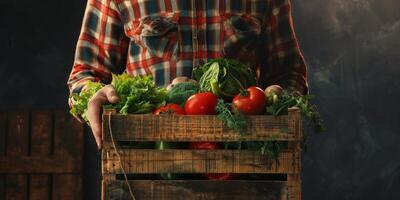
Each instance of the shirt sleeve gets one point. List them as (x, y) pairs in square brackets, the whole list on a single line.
[(101, 48), (284, 64)]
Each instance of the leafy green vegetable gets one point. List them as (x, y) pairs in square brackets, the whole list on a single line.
[(137, 94), (235, 121), (80, 101), (224, 77), (280, 107), (181, 92), (309, 111)]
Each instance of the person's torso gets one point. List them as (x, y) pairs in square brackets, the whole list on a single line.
[(169, 37)]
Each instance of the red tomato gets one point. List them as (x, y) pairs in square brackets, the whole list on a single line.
[(170, 108), (219, 176), (211, 145), (203, 145), (252, 104), (201, 104)]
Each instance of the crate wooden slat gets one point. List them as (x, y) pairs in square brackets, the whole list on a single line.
[(40, 155), (197, 128), (141, 161), (174, 128), (198, 189)]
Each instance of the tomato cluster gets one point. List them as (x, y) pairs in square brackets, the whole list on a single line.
[(249, 102)]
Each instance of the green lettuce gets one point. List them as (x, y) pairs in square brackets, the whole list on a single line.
[(224, 77), (138, 95), (80, 100)]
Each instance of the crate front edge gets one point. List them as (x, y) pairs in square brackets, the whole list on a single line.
[(184, 128)]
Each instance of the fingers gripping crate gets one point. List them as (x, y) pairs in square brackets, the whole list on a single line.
[(174, 128)]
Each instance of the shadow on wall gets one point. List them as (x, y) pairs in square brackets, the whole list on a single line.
[(353, 52)]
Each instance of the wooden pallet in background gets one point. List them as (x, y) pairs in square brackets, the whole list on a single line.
[(128, 128), (40, 156)]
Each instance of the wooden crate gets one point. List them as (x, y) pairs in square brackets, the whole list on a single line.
[(199, 128), (40, 156)]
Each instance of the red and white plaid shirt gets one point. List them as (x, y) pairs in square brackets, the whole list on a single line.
[(167, 38)]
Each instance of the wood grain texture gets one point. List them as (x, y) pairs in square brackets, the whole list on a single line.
[(41, 144), (294, 180), (38, 164), (27, 157), (197, 161), (67, 187), (197, 128), (17, 140), (68, 142), (17, 145), (197, 190), (16, 187), (68, 135), (39, 186)]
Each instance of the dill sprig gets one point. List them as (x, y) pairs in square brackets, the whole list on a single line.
[(235, 121)]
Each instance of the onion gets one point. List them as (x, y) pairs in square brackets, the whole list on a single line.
[(272, 93)]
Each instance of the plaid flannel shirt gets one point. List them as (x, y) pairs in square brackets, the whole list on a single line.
[(167, 38)]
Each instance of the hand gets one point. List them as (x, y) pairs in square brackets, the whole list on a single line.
[(179, 79), (104, 96)]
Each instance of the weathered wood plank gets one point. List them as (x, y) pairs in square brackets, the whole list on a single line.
[(16, 187), (18, 134), (67, 187), (39, 187), (41, 133), (294, 187), (68, 135), (38, 164), (197, 189), (196, 128), (68, 141), (197, 161), (17, 145), (41, 141), (294, 180)]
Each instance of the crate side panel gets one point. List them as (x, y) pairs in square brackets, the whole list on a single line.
[(192, 128)]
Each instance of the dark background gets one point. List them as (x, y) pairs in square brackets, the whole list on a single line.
[(353, 52)]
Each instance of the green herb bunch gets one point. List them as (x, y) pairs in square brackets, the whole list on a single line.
[(308, 110)]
